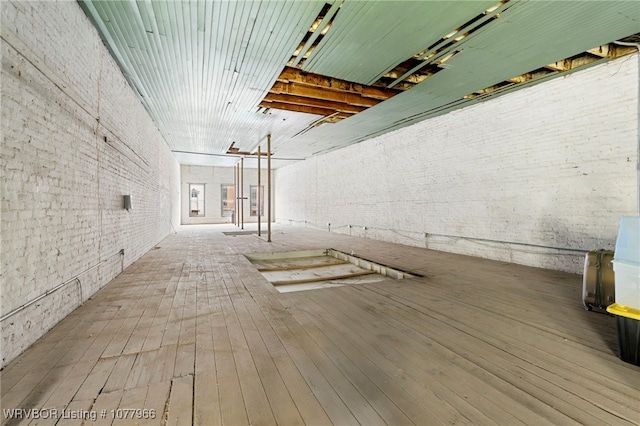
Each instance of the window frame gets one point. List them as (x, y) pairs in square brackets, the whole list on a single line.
[(200, 199)]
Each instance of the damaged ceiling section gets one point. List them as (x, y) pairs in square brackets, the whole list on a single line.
[(334, 99), (319, 75), (299, 90), (609, 51)]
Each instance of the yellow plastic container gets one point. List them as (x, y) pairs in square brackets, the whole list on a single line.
[(628, 324), (623, 311)]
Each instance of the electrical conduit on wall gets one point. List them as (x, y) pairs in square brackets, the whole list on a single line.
[(59, 286)]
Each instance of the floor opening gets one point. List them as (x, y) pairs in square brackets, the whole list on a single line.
[(321, 268), (236, 233)]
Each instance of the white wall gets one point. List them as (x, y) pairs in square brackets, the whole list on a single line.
[(213, 178), (549, 167), (62, 182)]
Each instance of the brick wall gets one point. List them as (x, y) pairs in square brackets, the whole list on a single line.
[(535, 177), (75, 140), (213, 178)]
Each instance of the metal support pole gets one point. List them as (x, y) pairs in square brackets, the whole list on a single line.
[(242, 193), (269, 188), (259, 204), (238, 195), (236, 212)]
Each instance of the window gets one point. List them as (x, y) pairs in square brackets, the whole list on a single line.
[(254, 201), (196, 199), (228, 200)]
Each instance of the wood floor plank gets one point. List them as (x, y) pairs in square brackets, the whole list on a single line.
[(120, 331), (155, 403), (231, 402), (206, 409), (416, 400), (449, 364), (103, 406), (132, 404), (286, 412), (253, 392), (550, 350), (416, 374), (365, 382), (496, 361), (120, 372), (194, 332), (495, 357), (144, 369), (179, 409), (96, 379), (336, 409), (306, 403)]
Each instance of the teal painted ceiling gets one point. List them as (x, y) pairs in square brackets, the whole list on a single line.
[(201, 68)]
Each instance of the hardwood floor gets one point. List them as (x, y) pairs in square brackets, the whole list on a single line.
[(193, 334)]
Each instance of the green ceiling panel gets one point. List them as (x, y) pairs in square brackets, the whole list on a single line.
[(528, 36), (368, 38), (202, 67)]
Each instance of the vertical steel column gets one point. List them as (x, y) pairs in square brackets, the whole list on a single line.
[(235, 194), (258, 195), (269, 188), (242, 192), (236, 206)]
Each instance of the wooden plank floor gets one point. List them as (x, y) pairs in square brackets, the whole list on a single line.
[(193, 334)]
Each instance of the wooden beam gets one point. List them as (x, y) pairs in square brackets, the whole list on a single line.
[(530, 76), (612, 51), (294, 75), (559, 66), (318, 279), (303, 108), (321, 93), (299, 91), (307, 266), (313, 102)]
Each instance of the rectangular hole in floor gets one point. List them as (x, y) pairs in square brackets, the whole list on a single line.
[(235, 233), (322, 268)]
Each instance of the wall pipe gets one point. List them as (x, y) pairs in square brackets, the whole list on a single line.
[(425, 235), (58, 287)]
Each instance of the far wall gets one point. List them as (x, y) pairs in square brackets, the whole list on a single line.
[(535, 177), (213, 178)]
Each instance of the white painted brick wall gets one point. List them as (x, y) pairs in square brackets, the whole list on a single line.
[(62, 183), (213, 178), (553, 165)]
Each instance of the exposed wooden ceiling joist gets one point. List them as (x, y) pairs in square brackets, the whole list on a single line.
[(294, 75), (322, 93), (589, 57), (202, 67), (313, 102), (300, 91), (303, 108)]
